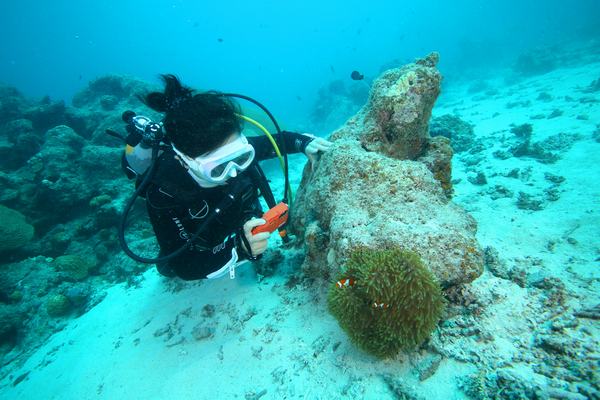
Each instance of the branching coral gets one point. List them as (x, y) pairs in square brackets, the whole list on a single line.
[(390, 302)]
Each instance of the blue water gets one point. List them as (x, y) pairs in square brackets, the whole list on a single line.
[(539, 216), (277, 52)]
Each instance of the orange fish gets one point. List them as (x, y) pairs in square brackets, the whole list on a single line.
[(346, 282), (380, 305)]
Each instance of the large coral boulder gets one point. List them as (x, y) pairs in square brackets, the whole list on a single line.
[(15, 232), (73, 267), (385, 184)]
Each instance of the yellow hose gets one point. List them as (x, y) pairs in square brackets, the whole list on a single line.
[(275, 147)]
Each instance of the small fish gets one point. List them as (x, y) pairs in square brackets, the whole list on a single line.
[(357, 76), (332, 69), (380, 305), (346, 282), (220, 40)]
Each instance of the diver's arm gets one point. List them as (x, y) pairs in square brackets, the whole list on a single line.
[(294, 143)]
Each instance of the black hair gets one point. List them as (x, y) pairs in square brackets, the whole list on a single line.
[(195, 123)]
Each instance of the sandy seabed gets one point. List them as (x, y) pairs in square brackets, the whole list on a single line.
[(252, 338)]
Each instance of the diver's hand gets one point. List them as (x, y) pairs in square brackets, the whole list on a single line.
[(313, 148), (258, 243)]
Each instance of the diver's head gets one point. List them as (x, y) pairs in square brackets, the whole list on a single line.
[(217, 166), (204, 130), (195, 123)]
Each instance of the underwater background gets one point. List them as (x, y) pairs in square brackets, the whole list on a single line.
[(261, 48), (501, 208)]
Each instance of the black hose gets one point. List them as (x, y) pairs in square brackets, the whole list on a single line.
[(227, 201), (283, 145)]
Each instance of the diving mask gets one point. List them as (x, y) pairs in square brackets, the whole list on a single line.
[(215, 167)]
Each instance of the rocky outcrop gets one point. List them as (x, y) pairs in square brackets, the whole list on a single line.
[(386, 184)]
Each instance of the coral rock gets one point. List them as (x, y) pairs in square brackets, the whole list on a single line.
[(15, 232), (397, 115), (357, 197), (58, 305), (73, 267), (458, 131)]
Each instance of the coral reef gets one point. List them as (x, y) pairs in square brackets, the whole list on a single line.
[(596, 134), (12, 104), (400, 389), (11, 318), (555, 113), (58, 305), (499, 192), (593, 87), (438, 159), (478, 179), (501, 384), (73, 267), (454, 128), (544, 96), (61, 179), (393, 304), (541, 60), (360, 197), (528, 202), (546, 151), (15, 232), (18, 144), (535, 62), (523, 131)]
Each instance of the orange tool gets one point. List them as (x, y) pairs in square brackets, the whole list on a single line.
[(275, 217)]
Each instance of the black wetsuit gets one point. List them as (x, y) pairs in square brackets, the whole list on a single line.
[(177, 205)]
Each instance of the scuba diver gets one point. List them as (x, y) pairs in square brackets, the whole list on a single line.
[(201, 180)]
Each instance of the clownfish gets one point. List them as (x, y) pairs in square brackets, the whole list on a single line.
[(380, 305), (346, 282)]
